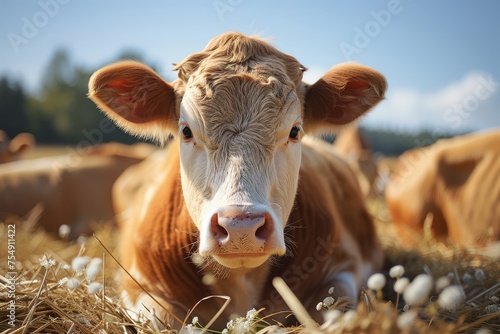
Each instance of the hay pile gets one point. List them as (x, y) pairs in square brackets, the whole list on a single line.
[(45, 302)]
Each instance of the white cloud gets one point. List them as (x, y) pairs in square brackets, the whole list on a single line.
[(470, 104)]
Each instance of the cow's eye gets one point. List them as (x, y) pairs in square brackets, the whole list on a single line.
[(186, 132), (294, 133)]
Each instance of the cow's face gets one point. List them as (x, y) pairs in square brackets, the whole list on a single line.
[(239, 108), (240, 160)]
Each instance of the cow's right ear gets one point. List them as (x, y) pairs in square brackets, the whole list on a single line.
[(135, 98)]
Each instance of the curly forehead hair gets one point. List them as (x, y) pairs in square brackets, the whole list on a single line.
[(234, 54)]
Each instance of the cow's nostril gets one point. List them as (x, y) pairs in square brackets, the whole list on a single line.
[(264, 230), (218, 231), (261, 232)]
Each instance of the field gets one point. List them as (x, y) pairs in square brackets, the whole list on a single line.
[(41, 292)]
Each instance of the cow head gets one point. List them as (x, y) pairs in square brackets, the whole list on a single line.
[(240, 109)]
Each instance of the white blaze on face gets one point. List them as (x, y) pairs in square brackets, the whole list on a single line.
[(239, 170)]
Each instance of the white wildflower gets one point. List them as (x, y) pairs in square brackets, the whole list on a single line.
[(466, 278), (92, 273), (252, 314), (401, 284), (376, 282), (94, 287), (79, 262), (230, 324), (331, 318), (96, 262), (225, 331), (46, 262), (64, 231), (189, 329), (240, 325), (442, 283), (93, 268), (479, 274), (72, 283), (406, 320), (62, 281), (451, 297), (195, 321), (82, 240), (319, 306), (492, 308), (332, 315), (418, 291), (328, 302), (494, 299), (397, 271), (331, 290)]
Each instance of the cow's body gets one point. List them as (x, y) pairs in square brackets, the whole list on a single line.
[(457, 181), (328, 201), (70, 189), (240, 198), (354, 147)]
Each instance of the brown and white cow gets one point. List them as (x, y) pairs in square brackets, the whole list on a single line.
[(242, 196), (457, 181), (13, 149), (72, 189), (355, 148)]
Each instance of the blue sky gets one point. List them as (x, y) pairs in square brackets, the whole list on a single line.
[(441, 58)]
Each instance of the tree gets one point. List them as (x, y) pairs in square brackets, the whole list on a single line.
[(62, 111), (13, 107)]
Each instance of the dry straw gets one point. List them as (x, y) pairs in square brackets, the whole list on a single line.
[(45, 303)]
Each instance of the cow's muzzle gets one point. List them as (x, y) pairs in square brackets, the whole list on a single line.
[(241, 236)]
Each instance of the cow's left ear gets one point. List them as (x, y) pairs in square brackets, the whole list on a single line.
[(343, 94), (136, 98)]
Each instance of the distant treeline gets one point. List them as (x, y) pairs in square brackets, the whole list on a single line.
[(391, 143), (61, 113)]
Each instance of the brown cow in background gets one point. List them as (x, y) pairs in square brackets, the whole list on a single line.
[(455, 180), (355, 148), (71, 189), (13, 149)]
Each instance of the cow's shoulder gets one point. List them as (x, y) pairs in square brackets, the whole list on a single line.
[(158, 241), (322, 164), (329, 201)]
